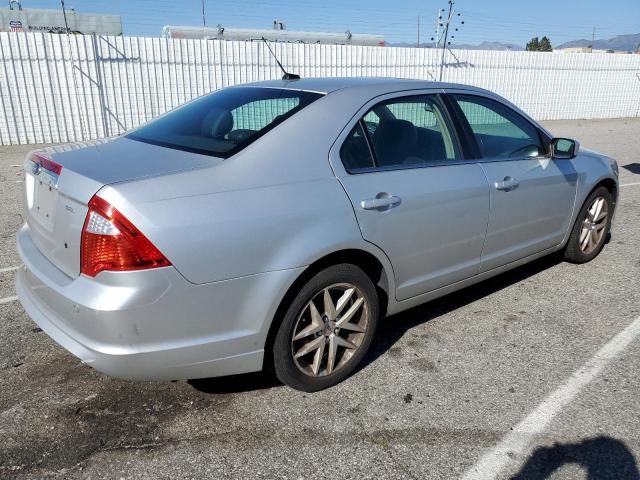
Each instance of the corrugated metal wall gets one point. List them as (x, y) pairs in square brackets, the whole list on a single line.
[(58, 88)]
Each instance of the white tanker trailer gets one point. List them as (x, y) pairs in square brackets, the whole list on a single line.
[(274, 35), (18, 19)]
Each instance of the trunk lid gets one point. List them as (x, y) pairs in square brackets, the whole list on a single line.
[(55, 199)]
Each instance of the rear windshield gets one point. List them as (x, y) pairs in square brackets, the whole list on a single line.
[(223, 123)]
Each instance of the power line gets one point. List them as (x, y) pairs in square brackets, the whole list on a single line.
[(446, 34), (395, 23)]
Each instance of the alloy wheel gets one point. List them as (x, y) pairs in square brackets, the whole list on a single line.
[(593, 226), (330, 329)]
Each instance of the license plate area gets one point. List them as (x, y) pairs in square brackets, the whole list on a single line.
[(45, 199)]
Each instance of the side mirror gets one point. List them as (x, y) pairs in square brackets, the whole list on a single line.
[(564, 148)]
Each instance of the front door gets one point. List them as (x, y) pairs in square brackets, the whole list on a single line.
[(411, 194), (532, 195)]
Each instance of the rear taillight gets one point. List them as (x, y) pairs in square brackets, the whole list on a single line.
[(111, 242), (42, 161)]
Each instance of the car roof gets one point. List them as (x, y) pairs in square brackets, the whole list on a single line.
[(331, 84), (366, 88)]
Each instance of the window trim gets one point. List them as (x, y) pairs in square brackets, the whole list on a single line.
[(467, 139), (470, 138), (362, 126), (367, 137), (375, 102)]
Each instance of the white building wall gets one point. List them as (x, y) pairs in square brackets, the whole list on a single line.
[(55, 88)]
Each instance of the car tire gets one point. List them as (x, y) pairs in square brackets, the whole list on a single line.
[(336, 310), (583, 246)]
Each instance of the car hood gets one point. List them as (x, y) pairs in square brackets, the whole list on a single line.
[(591, 153)]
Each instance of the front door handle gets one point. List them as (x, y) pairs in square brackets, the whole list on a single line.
[(382, 201), (509, 183)]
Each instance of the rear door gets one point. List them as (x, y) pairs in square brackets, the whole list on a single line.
[(532, 195), (413, 194)]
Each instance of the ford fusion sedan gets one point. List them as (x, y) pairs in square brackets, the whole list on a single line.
[(276, 223)]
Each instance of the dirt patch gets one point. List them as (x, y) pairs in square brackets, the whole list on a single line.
[(423, 365), (119, 415)]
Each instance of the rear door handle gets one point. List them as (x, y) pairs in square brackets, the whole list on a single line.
[(507, 184), (382, 201)]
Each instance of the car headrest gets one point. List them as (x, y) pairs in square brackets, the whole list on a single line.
[(394, 141), (217, 123), (401, 129)]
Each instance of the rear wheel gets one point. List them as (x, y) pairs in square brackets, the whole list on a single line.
[(327, 329), (591, 228)]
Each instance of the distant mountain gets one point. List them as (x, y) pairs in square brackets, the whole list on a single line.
[(481, 46), (625, 43), (490, 46), (406, 44)]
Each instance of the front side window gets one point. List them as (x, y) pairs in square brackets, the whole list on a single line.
[(499, 131), (400, 132), (223, 123)]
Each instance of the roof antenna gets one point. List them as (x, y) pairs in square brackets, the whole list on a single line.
[(287, 75)]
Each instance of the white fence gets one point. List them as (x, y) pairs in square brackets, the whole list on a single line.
[(58, 88)]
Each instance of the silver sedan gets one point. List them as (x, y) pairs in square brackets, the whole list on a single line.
[(276, 223)]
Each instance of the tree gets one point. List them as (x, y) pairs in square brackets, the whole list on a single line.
[(539, 45), (533, 45), (545, 45)]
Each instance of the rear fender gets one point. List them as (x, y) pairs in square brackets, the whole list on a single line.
[(232, 234)]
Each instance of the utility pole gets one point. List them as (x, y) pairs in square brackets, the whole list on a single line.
[(446, 34), (418, 42), (64, 14), (436, 39), (204, 21), (593, 37)]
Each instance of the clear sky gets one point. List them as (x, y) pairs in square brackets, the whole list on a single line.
[(513, 21)]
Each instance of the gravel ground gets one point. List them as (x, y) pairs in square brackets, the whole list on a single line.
[(444, 383)]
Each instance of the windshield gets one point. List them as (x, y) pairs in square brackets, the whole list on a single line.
[(223, 123)]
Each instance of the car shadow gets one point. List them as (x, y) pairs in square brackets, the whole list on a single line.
[(600, 457), (394, 327), (633, 168), (235, 383)]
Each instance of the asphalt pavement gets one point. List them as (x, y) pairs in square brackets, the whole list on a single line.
[(532, 374)]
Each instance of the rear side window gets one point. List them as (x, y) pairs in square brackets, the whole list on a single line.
[(371, 121), (223, 123), (499, 131), (404, 131), (355, 152)]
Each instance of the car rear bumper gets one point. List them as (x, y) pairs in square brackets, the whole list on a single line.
[(152, 324)]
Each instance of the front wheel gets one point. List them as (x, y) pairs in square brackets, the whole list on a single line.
[(591, 228), (327, 329)]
